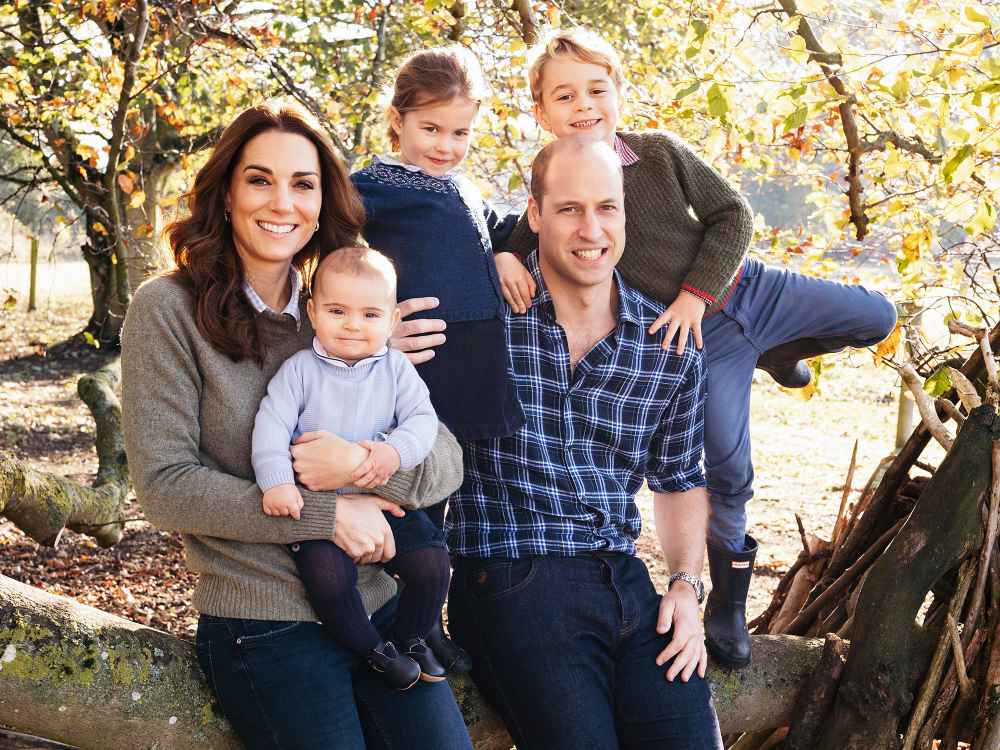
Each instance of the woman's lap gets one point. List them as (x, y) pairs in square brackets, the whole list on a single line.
[(288, 685)]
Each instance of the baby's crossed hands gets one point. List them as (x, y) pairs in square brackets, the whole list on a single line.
[(378, 468), (283, 500)]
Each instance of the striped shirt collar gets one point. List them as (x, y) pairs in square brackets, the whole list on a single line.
[(292, 308), (392, 162), (625, 153), (320, 352)]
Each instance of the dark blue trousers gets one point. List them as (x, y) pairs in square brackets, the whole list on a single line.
[(770, 306), (290, 686), (565, 648)]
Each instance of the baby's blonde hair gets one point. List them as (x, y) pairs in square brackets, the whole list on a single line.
[(357, 261), (580, 44)]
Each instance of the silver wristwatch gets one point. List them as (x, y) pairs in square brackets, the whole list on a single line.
[(696, 584)]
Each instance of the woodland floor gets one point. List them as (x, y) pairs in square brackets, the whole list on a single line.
[(802, 449)]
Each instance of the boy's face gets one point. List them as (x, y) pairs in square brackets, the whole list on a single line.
[(577, 97), (352, 315)]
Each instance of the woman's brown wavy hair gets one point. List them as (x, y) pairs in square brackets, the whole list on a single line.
[(202, 243)]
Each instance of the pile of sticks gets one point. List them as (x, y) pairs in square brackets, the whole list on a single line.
[(957, 698)]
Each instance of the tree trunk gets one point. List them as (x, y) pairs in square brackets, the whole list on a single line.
[(106, 320), (144, 227), (884, 665), (43, 504), (75, 674)]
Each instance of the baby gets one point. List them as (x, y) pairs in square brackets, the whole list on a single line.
[(351, 384)]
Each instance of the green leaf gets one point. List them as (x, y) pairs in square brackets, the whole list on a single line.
[(938, 383), (796, 119), (956, 161), (700, 28), (690, 89), (718, 105), (514, 181), (89, 338), (11, 302)]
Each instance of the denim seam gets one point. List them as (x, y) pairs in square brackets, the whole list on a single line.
[(256, 699), (515, 588), (270, 634), (374, 721)]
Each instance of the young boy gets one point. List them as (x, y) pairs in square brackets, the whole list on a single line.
[(686, 241), (350, 383)]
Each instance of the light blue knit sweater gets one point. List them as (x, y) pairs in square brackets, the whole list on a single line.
[(313, 391)]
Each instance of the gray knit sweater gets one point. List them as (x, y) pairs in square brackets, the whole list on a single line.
[(188, 413), (685, 227)]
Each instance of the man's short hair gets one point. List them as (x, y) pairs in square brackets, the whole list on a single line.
[(357, 261), (582, 45), (572, 144)]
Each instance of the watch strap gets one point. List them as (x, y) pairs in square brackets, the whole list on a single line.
[(693, 581)]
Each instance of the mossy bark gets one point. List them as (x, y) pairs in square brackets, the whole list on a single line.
[(892, 651), (72, 673), (43, 504)]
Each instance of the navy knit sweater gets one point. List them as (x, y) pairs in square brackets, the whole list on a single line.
[(440, 235)]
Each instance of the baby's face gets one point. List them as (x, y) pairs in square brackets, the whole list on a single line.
[(352, 315)]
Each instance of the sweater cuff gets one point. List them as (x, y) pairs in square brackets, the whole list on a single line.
[(701, 294), (273, 478), (408, 457), (318, 517)]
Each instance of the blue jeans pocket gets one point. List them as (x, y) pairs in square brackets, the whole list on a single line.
[(496, 580), (264, 633)]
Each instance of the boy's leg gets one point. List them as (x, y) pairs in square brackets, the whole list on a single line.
[(652, 712), (541, 633), (330, 579)]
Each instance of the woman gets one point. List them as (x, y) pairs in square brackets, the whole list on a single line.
[(199, 347)]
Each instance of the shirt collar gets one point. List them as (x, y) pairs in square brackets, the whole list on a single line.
[(624, 151), (393, 162), (320, 352), (629, 304), (292, 308)]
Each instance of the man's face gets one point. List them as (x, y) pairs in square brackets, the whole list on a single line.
[(577, 97), (581, 222)]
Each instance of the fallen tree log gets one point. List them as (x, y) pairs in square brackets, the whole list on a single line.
[(43, 504), (72, 673)]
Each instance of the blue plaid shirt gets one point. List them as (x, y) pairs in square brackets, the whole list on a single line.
[(565, 483)]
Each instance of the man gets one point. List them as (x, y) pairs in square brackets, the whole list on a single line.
[(569, 639)]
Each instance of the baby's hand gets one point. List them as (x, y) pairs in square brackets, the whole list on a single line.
[(378, 468), (516, 283), (283, 500)]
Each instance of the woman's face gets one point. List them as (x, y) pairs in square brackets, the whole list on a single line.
[(274, 198)]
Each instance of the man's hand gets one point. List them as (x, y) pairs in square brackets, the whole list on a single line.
[(417, 337), (361, 529), (324, 461), (283, 500), (679, 614), (683, 316), (378, 468), (516, 283)]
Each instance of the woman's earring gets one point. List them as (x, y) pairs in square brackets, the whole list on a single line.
[(316, 228), (226, 212)]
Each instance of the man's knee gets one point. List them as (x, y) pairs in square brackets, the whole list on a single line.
[(882, 319)]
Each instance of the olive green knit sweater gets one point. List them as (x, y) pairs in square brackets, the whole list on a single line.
[(685, 227), (188, 413)]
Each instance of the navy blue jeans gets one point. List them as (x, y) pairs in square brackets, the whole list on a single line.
[(289, 685), (565, 648), (770, 306)]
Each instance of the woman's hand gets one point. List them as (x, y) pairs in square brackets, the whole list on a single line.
[(324, 461), (417, 337), (516, 283), (361, 529), (684, 315)]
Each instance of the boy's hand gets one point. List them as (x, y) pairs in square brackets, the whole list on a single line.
[(516, 283), (283, 500), (378, 468), (683, 316)]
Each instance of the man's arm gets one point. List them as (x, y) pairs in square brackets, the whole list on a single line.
[(681, 526)]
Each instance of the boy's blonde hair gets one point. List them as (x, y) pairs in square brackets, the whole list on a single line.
[(582, 45), (357, 261), (436, 76)]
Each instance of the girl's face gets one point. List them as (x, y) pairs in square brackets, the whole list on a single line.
[(274, 199), (435, 138)]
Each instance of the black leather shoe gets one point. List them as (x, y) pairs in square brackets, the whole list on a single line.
[(430, 668), (399, 671), (454, 658), (784, 363), (726, 634)]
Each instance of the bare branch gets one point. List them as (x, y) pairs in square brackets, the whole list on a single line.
[(926, 407)]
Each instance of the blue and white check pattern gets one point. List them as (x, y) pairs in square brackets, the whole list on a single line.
[(565, 483)]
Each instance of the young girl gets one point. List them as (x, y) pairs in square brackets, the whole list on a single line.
[(432, 222)]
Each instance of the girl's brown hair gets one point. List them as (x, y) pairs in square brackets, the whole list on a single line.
[(202, 243), (436, 76)]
